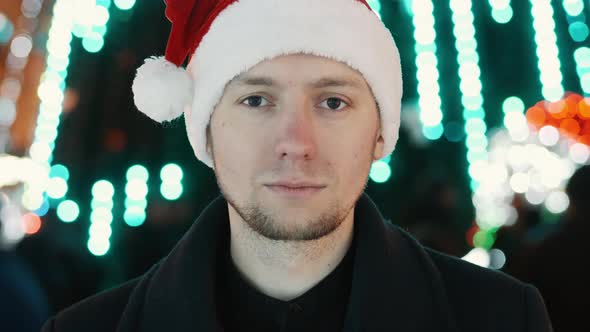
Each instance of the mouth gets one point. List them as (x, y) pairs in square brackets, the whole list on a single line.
[(295, 191)]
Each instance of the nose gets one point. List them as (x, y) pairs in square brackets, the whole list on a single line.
[(295, 134)]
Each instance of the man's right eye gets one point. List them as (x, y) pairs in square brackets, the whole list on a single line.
[(255, 101)]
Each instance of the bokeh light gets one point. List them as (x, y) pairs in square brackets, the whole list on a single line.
[(68, 211), (478, 256), (98, 245), (103, 190), (124, 4), (380, 172), (497, 259), (171, 190), (57, 188), (137, 172), (134, 216), (557, 202), (171, 173), (501, 10), (32, 223), (171, 176)]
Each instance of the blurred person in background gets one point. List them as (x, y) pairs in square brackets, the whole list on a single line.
[(526, 230), (432, 216), (290, 102), (559, 264), (23, 304)]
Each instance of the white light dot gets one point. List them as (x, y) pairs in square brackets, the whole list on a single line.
[(535, 197), (57, 188), (32, 200), (519, 133), (579, 153), (548, 135), (497, 259), (478, 256), (40, 151), (519, 182), (136, 189), (100, 16), (21, 46), (557, 202), (98, 246), (100, 230)]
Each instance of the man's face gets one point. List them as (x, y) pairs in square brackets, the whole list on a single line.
[(296, 119)]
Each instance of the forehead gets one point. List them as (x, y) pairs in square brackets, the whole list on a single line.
[(300, 69)]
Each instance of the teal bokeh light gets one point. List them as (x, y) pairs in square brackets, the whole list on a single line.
[(503, 15), (433, 133), (59, 171), (171, 191), (578, 31), (124, 4), (93, 42), (134, 216), (380, 172), (171, 173), (137, 172), (98, 246), (513, 104), (68, 211)]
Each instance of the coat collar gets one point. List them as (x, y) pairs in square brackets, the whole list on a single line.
[(395, 284)]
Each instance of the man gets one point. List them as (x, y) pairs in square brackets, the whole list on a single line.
[(557, 265), (290, 101)]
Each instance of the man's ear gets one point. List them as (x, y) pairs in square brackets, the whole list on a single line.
[(379, 144)]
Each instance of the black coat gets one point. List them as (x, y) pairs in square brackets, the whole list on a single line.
[(398, 285)]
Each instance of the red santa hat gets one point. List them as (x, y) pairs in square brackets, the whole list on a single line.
[(225, 38)]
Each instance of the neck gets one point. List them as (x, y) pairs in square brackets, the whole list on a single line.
[(286, 269)]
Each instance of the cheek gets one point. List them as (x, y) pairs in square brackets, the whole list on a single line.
[(234, 153)]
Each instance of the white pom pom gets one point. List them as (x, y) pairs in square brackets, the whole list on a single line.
[(161, 90)]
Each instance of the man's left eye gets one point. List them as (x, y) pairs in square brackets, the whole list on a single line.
[(333, 103)]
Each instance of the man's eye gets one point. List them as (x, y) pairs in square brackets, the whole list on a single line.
[(255, 101), (333, 103)]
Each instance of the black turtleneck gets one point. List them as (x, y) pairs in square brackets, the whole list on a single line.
[(241, 307)]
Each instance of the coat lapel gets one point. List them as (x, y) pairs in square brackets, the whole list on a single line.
[(180, 295), (395, 284)]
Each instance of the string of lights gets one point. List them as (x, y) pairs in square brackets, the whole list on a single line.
[(470, 87), (546, 50), (427, 72)]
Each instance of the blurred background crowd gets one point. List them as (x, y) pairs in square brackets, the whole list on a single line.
[(491, 167)]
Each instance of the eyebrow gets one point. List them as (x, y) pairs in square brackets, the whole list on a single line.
[(321, 83)]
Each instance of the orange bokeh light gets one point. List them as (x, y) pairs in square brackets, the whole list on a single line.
[(571, 115), (32, 223), (584, 139), (570, 127), (584, 108), (558, 109), (536, 116)]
